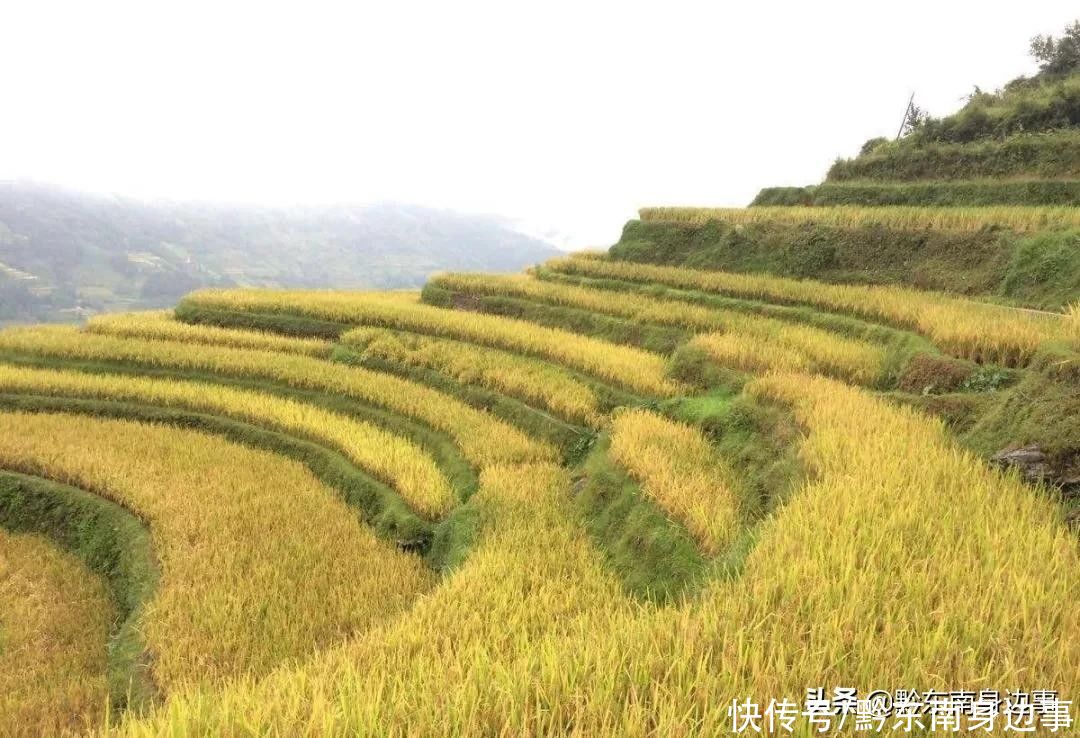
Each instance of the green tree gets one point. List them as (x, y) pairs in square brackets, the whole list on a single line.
[(1058, 55)]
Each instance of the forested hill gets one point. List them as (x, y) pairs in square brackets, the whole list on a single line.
[(66, 254)]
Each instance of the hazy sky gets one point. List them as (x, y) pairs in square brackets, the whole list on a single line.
[(569, 115)]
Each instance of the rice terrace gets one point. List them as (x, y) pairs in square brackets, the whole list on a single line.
[(809, 466)]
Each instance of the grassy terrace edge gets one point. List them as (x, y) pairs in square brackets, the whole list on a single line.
[(934, 193), (113, 543)]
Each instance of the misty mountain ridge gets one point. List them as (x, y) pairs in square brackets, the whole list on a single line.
[(66, 254)]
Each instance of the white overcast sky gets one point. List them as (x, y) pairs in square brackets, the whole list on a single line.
[(567, 115)]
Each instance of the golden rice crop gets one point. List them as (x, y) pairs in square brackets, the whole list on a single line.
[(751, 355), (632, 368), (260, 563), (966, 328), (678, 468), (533, 381), (54, 622), (1020, 218), (792, 349), (395, 460), (162, 325), (533, 573), (903, 561), (482, 438), (820, 349)]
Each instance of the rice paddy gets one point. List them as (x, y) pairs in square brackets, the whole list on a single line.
[(834, 534), (54, 620), (260, 562), (956, 325), (1021, 218)]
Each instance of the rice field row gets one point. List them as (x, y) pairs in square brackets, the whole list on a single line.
[(54, 622), (856, 361), (260, 564), (819, 350), (903, 561), (163, 326), (482, 438), (628, 367), (957, 326), (679, 469), (532, 381), (1020, 218), (393, 459)]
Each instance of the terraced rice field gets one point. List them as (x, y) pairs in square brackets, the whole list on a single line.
[(379, 516), (54, 620), (956, 325), (1016, 217)]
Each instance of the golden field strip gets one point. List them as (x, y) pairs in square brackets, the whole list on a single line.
[(530, 380), (955, 325), (629, 367), (903, 561), (395, 460), (679, 469), (482, 438), (161, 325), (260, 563), (821, 350), (54, 622), (1021, 218), (757, 355)]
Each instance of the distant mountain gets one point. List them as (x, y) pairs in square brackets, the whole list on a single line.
[(66, 254)]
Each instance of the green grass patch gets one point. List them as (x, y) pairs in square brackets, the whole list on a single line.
[(654, 557), (1044, 270), (1054, 154), (932, 193), (758, 439), (1036, 407)]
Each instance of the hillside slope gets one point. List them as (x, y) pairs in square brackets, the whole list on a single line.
[(65, 254)]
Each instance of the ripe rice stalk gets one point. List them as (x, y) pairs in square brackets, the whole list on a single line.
[(482, 438), (260, 563), (821, 350), (54, 623), (902, 560), (395, 460), (956, 325), (678, 468), (162, 325), (628, 367), (532, 381)]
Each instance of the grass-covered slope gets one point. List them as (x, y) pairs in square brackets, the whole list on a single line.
[(1036, 269), (961, 193), (980, 202)]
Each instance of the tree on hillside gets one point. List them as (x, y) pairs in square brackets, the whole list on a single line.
[(1058, 55), (914, 119)]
